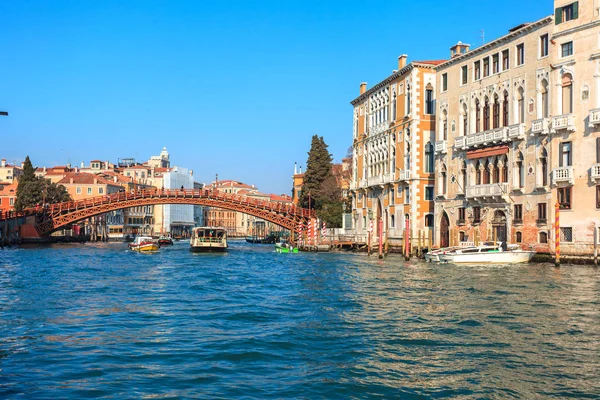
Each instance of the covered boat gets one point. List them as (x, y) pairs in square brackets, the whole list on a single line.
[(284, 247), (144, 244), (208, 239), (499, 253), (165, 241)]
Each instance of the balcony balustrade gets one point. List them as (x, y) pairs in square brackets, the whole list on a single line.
[(485, 138), (594, 117), (441, 146), (562, 174), (595, 172), (540, 126), (516, 131), (563, 122), (404, 175), (363, 183), (487, 190)]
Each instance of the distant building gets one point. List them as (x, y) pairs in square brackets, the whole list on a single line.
[(9, 173)]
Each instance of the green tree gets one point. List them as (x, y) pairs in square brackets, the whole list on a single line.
[(321, 185), (33, 190)]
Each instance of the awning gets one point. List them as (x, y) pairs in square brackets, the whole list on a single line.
[(487, 152)]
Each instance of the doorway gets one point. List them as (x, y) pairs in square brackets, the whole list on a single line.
[(444, 230)]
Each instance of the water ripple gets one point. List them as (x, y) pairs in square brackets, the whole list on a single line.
[(97, 321)]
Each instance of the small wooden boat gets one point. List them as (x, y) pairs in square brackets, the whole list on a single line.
[(488, 254), (144, 244), (208, 239), (165, 241)]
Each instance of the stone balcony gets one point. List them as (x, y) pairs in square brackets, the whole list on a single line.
[(563, 122), (562, 175), (491, 190), (594, 119), (403, 175), (540, 126), (516, 132), (485, 138), (595, 172), (441, 146)]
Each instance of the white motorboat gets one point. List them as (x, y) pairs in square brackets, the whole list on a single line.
[(488, 254), (208, 239), (433, 255)]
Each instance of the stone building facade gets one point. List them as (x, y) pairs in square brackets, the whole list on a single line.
[(516, 136)]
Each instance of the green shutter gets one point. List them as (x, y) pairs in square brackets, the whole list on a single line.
[(558, 15), (575, 10)]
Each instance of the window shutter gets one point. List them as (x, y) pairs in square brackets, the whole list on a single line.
[(560, 155), (575, 10), (558, 15), (598, 149)]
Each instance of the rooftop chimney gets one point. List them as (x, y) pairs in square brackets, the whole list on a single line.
[(402, 61), (3, 162), (115, 179), (295, 169), (71, 180), (458, 49), (363, 87)]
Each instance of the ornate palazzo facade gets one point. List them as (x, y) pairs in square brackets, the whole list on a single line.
[(393, 152), (517, 133)]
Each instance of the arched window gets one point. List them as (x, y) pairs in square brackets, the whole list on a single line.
[(429, 220), (394, 107), (429, 159), (408, 87), (486, 114), (486, 173), (520, 170), (543, 237), (520, 106), (444, 177), (567, 94), (477, 115), (465, 120), (392, 221), (544, 167), (407, 157), (478, 173), (463, 236), (496, 171), (463, 171), (496, 111), (505, 169), (444, 125), (545, 105), (429, 99), (505, 110)]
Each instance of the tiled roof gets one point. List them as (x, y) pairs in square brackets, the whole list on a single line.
[(431, 62), (84, 178)]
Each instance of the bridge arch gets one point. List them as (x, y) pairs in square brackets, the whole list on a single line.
[(58, 215)]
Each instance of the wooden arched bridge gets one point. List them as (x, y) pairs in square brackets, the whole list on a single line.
[(59, 215)]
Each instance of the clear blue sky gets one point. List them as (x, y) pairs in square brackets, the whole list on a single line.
[(236, 88)]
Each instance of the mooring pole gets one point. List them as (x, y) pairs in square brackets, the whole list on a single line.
[(557, 235), (380, 230), (407, 240)]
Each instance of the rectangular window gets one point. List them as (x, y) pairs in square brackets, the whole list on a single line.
[(444, 82), (505, 60), (518, 213), (566, 13), (78, 190), (461, 216), (100, 190), (543, 237), (544, 45), (564, 198), (520, 54), (429, 193), (566, 234), (486, 67), (392, 197), (464, 72), (476, 215), (566, 49), (477, 70), (89, 190), (11, 201), (407, 195), (564, 157), (542, 212), (496, 63), (597, 196)]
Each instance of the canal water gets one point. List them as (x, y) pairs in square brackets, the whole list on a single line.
[(98, 321)]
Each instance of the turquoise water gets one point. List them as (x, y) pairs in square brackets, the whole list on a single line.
[(97, 321)]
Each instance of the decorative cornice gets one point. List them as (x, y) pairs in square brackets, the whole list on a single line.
[(576, 29), (389, 79), (506, 38)]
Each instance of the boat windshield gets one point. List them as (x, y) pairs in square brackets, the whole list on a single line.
[(209, 233)]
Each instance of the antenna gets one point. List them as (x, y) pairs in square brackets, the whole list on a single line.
[(482, 37)]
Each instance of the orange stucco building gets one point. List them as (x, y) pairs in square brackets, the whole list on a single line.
[(393, 152)]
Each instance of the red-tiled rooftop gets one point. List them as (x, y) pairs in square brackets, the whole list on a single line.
[(85, 178), (431, 62)]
